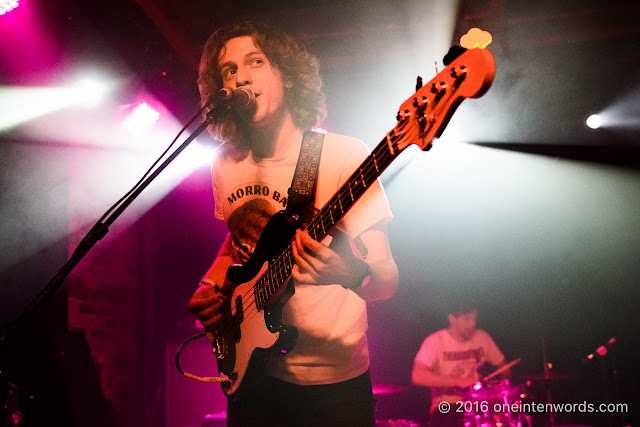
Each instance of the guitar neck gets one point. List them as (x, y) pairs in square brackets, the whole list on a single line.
[(361, 179)]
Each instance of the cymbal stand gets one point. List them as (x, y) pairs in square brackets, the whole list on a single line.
[(547, 387)]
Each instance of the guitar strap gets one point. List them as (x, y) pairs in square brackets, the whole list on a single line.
[(303, 185)]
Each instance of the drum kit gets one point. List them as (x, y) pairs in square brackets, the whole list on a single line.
[(495, 404), (489, 403), (501, 404)]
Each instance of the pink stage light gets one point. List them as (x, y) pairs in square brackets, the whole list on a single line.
[(141, 119), (8, 6)]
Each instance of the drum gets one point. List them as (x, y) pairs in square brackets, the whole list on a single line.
[(397, 423), (495, 404)]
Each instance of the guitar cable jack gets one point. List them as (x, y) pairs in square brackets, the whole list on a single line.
[(195, 377)]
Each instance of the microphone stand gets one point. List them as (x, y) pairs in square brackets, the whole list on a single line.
[(96, 233)]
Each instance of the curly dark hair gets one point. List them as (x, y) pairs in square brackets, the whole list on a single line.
[(305, 100)]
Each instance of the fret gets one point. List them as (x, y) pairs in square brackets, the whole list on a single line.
[(372, 167), (270, 283), (390, 144), (256, 293)]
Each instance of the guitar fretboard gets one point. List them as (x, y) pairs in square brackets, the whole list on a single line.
[(361, 179)]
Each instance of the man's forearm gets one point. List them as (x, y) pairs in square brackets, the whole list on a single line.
[(425, 377), (217, 273)]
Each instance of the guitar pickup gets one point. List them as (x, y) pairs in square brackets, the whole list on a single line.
[(237, 318)]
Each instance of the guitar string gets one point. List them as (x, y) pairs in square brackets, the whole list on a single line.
[(326, 212), (285, 257), (324, 216), (330, 204), (282, 266)]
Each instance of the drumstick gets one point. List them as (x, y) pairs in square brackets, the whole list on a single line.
[(500, 370)]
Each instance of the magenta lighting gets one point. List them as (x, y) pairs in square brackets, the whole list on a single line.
[(140, 119), (8, 6)]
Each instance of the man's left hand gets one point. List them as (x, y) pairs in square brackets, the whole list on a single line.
[(316, 264)]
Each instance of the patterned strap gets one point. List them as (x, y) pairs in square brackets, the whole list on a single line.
[(303, 185)]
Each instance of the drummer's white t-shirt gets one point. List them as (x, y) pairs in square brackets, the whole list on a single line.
[(447, 356)]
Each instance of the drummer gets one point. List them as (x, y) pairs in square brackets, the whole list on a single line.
[(448, 362)]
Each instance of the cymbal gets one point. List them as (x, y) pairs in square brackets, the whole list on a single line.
[(547, 376), (379, 389)]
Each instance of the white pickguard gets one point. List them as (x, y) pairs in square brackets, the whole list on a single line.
[(253, 330)]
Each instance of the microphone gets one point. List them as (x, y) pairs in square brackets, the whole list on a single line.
[(241, 98)]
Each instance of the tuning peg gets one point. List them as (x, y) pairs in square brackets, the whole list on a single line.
[(419, 102), (418, 83), (403, 115), (458, 73)]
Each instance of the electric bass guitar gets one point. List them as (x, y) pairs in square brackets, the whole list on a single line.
[(252, 327)]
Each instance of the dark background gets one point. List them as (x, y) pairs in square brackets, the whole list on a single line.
[(519, 204)]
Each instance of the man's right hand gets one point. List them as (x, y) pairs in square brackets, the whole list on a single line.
[(205, 306)]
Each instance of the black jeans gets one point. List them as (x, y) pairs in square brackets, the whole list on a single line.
[(279, 403)]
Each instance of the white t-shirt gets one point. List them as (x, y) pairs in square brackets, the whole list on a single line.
[(447, 356), (331, 320)]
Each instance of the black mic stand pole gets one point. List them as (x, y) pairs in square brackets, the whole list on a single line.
[(96, 233)]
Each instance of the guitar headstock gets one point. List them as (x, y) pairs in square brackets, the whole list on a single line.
[(426, 114)]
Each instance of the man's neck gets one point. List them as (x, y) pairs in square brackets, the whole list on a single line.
[(275, 140), (458, 337)]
